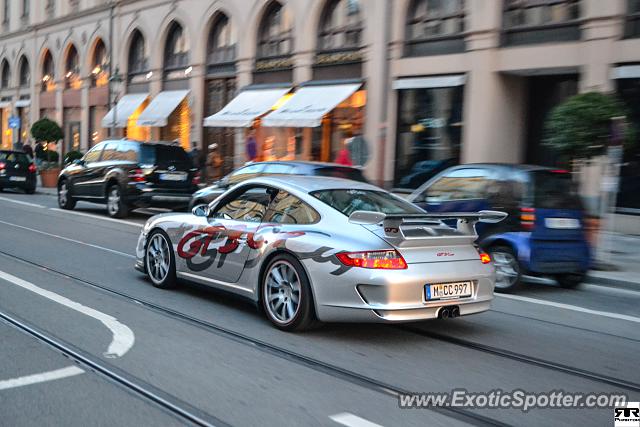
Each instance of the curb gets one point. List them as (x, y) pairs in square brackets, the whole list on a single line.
[(612, 283)]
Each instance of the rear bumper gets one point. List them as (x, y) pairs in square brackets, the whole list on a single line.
[(6, 182), (159, 197)]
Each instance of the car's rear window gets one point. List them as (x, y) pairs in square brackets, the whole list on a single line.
[(340, 172), (348, 201), (554, 190), (164, 156), (13, 157)]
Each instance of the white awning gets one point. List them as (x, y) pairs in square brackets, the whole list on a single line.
[(21, 103), (430, 82), (158, 111), (245, 108), (626, 72), (125, 107), (307, 106), (5, 104)]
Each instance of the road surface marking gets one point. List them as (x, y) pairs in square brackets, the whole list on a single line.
[(123, 337), (572, 308), (69, 371), (350, 420), (101, 218), (34, 205), (113, 251)]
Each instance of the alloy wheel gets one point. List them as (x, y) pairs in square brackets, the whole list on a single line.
[(113, 201), (507, 269), (158, 258), (63, 193), (282, 292)]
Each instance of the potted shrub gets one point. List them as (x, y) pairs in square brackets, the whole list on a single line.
[(47, 131)]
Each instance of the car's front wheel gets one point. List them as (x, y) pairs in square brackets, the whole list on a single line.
[(65, 199), (160, 261), (116, 205), (286, 294), (508, 273)]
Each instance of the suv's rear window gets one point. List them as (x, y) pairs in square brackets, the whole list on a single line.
[(348, 201), (164, 156), (338, 172), (554, 190), (13, 157)]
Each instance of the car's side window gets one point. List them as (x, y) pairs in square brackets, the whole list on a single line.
[(288, 209), (110, 152), (249, 205), (245, 173), (127, 152), (277, 168), (460, 184), (93, 155)]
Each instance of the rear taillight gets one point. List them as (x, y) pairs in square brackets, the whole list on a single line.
[(382, 260), (137, 175), (32, 168), (485, 258), (2, 165), (527, 218), (196, 178)]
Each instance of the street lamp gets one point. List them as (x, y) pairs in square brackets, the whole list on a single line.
[(114, 88)]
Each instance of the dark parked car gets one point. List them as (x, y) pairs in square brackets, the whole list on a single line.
[(209, 194), (128, 174), (17, 171), (424, 171), (544, 232)]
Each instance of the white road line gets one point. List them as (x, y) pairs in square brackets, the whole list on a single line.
[(100, 218), (123, 337), (350, 420), (113, 251), (33, 205), (572, 308), (69, 371)]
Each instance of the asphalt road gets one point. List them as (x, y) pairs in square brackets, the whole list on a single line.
[(86, 340)]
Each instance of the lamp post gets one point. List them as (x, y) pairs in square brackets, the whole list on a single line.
[(115, 81)]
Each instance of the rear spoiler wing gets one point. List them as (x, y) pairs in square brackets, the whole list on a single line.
[(392, 222)]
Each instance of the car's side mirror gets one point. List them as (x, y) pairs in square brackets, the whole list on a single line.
[(78, 162), (201, 210)]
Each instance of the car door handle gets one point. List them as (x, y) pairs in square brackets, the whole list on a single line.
[(275, 230)]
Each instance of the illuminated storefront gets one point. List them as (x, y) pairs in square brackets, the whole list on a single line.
[(125, 115), (170, 112), (7, 133)]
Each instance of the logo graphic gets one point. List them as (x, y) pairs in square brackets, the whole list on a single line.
[(628, 416)]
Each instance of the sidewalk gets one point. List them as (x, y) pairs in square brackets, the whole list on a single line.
[(624, 260)]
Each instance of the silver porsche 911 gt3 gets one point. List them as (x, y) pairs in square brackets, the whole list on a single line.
[(327, 249)]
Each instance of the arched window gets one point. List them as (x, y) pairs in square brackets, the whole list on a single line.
[(540, 21), (25, 73), (274, 35), (138, 63), (435, 27), (72, 69), (99, 65), (48, 73), (340, 25), (176, 49), (26, 8), (6, 75), (221, 47)]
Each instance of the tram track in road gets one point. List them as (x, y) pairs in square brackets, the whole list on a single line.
[(336, 372)]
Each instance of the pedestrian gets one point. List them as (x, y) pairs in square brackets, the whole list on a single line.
[(39, 152), (344, 155), (214, 163), (26, 148), (252, 149), (194, 155)]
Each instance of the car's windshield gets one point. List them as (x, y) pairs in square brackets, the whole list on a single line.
[(348, 201), (14, 157)]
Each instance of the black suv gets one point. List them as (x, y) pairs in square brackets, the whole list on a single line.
[(128, 174), (253, 170)]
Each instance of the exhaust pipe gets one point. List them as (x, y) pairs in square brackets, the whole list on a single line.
[(443, 313), (449, 312), (454, 311)]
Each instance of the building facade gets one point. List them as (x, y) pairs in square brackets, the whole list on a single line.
[(419, 81)]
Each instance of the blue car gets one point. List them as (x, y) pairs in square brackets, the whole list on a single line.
[(544, 232)]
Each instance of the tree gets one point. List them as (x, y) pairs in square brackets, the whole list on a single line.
[(46, 130), (581, 126)]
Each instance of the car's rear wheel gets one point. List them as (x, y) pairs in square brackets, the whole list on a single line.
[(570, 280), (30, 190), (160, 261), (286, 294), (116, 206), (65, 199), (508, 272)]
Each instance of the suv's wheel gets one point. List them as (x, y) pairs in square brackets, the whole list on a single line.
[(116, 206), (508, 273), (286, 294), (570, 280), (160, 261), (65, 199)]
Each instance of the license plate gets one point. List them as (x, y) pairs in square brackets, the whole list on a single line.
[(562, 223), (448, 290), (173, 177), (17, 178)]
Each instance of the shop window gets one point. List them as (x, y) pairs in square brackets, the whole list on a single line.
[(72, 69), (176, 50), (25, 73), (178, 126), (632, 24), (99, 65), (540, 21), (429, 133), (5, 79), (340, 26), (48, 74), (435, 27), (137, 61), (274, 36)]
